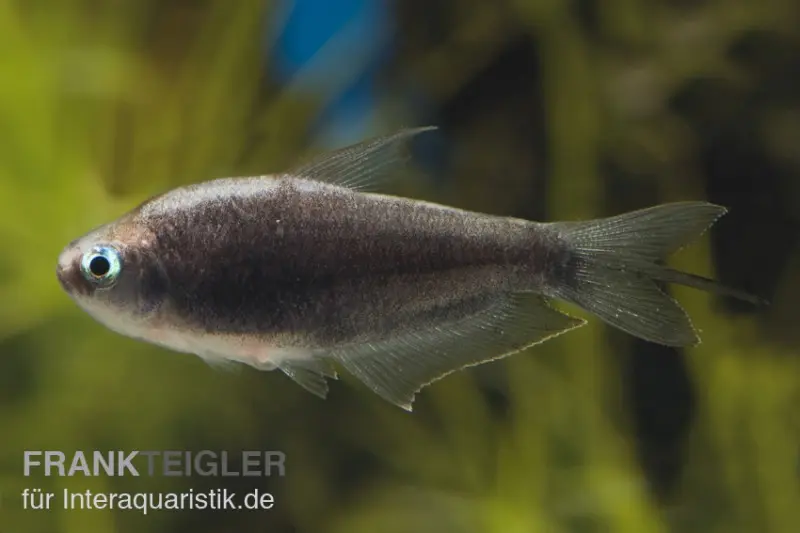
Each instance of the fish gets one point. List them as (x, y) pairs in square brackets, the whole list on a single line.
[(317, 269)]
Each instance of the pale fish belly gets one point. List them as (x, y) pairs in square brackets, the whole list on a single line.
[(217, 348)]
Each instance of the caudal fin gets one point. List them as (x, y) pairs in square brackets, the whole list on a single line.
[(611, 266)]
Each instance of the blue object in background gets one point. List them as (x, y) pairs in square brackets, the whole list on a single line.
[(334, 48)]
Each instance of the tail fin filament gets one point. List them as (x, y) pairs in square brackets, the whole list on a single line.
[(612, 265)]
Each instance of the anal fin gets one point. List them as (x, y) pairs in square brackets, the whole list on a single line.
[(398, 368)]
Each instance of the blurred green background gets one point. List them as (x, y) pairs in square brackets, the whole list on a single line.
[(548, 110)]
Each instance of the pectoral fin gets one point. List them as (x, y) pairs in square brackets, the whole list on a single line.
[(220, 364)]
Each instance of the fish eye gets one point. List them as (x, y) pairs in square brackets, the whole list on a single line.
[(101, 265)]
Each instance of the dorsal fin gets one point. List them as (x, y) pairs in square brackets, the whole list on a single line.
[(362, 166)]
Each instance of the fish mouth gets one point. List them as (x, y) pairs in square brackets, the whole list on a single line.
[(71, 280)]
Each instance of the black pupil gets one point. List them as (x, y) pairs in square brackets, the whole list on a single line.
[(99, 266)]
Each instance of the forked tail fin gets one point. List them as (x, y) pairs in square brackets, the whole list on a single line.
[(610, 268)]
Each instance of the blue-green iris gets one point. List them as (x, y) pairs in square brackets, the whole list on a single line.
[(101, 265)]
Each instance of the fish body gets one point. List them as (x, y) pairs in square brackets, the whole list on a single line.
[(304, 270)]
